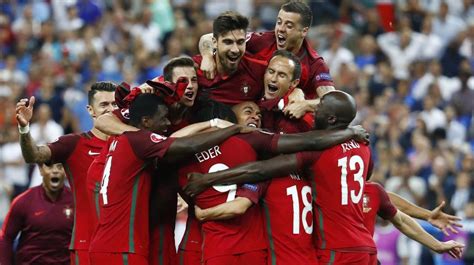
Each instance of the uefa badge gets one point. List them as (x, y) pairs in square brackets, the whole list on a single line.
[(365, 203), (68, 212)]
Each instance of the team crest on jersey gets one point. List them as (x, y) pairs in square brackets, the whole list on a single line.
[(245, 89), (156, 138), (125, 113), (365, 203), (68, 212)]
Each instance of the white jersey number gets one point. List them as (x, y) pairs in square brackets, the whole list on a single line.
[(105, 180), (232, 189), (354, 163), (308, 208)]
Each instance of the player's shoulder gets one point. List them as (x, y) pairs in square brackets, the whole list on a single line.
[(26, 196), (312, 53), (143, 136)]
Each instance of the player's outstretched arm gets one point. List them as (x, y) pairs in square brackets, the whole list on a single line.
[(319, 139), (206, 49), (109, 124), (186, 146), (223, 211), (413, 230), (436, 217), (32, 153), (247, 173), (201, 127)]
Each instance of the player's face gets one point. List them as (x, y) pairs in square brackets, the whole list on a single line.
[(289, 32), (160, 122), (189, 73), (277, 79), (248, 114), (230, 49), (320, 115), (53, 177), (103, 102)]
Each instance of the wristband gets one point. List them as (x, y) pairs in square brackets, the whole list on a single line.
[(24, 130)]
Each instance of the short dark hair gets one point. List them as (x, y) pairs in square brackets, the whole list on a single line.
[(229, 21), (144, 105), (183, 61), (292, 57), (300, 8), (100, 86), (207, 109)]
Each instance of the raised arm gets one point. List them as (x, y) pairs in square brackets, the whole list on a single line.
[(436, 217), (206, 49), (110, 124), (319, 139), (224, 211), (201, 127), (185, 146), (32, 153), (279, 166), (413, 230)]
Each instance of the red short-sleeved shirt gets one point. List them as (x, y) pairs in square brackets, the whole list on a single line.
[(125, 192), (314, 71), (76, 152), (246, 84), (337, 177), (244, 233), (376, 202)]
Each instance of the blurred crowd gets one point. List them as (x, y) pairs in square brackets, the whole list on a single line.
[(409, 63)]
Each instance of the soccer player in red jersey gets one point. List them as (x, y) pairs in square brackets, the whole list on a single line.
[(377, 202), (342, 237), (291, 28), (76, 152), (239, 77), (44, 217), (122, 236)]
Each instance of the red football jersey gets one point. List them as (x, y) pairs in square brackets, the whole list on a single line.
[(289, 235), (245, 84), (314, 71), (192, 238), (337, 177), (376, 202), (244, 233), (76, 152), (94, 178), (125, 192)]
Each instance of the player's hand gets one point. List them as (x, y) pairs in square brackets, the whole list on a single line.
[(182, 205), (444, 222), (199, 213), (208, 66), (24, 111), (145, 88), (453, 248), (220, 123), (360, 134), (297, 109), (196, 184)]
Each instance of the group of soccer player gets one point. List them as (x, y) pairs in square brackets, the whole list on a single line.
[(256, 140)]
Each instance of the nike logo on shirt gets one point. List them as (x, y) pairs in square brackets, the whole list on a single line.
[(93, 153)]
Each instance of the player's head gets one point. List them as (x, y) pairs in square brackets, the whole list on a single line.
[(148, 111), (335, 110), (183, 67), (229, 30), (283, 71), (293, 22), (248, 114), (53, 177), (101, 98), (210, 109)]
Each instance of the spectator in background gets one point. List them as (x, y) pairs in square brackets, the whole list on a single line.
[(462, 193), (147, 31), (446, 25), (463, 100), (367, 56), (432, 43), (448, 85), (432, 116), (337, 54), (455, 131), (441, 183), (44, 217), (404, 183), (14, 167)]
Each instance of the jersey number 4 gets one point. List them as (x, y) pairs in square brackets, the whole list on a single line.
[(105, 180), (355, 163)]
